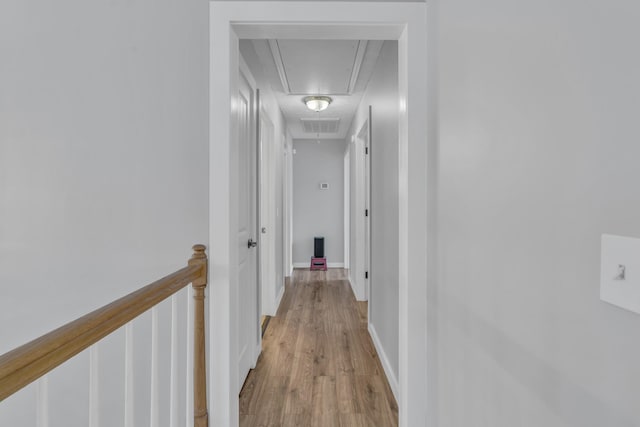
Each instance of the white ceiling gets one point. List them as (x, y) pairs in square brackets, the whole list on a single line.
[(296, 68), (318, 66)]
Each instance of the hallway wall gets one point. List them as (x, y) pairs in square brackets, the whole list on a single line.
[(382, 95), (103, 171), (538, 156), (316, 212)]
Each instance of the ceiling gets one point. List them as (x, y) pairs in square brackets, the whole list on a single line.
[(297, 68)]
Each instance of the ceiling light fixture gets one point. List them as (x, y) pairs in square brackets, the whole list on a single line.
[(317, 103)]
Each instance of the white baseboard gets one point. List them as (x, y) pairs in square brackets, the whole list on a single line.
[(256, 353), (391, 376), (329, 265), (355, 287), (271, 311), (279, 299)]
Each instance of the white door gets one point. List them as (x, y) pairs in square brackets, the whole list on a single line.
[(248, 320), (347, 208), (367, 216), (363, 192)]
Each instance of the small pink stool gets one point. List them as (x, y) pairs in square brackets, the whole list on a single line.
[(318, 264)]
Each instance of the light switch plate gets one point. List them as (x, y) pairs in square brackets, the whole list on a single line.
[(620, 271)]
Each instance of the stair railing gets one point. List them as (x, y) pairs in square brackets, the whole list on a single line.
[(27, 363)]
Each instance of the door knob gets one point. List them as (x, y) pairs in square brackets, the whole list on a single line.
[(251, 244)]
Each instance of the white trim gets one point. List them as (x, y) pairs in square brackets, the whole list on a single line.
[(404, 21), (277, 59), (246, 72), (279, 299), (327, 24), (355, 72), (256, 354), (267, 210), (384, 360), (223, 202), (329, 265), (289, 222), (416, 139)]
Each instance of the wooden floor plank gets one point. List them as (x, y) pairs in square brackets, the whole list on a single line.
[(318, 365)]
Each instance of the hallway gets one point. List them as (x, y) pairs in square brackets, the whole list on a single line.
[(318, 365)]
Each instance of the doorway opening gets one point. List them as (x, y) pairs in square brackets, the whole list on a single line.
[(406, 23)]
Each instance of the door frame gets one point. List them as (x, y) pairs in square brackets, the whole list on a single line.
[(266, 184), (362, 242), (405, 22), (347, 207), (367, 220), (363, 191)]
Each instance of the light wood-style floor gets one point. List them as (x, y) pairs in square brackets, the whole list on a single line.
[(318, 365)]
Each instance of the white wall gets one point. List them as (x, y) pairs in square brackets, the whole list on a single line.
[(538, 156), (316, 212), (103, 160), (382, 95)]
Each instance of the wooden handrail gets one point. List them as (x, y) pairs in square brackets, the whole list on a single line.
[(27, 363)]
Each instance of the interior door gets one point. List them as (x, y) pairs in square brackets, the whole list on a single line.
[(367, 220), (248, 319), (366, 139)]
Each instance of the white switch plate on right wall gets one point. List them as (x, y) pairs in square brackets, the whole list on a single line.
[(620, 271)]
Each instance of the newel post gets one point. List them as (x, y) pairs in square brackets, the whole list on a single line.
[(200, 415)]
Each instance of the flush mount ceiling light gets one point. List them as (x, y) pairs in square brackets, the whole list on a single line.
[(317, 103)]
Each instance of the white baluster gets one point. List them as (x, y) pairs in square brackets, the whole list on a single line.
[(42, 402), (128, 377), (94, 387), (173, 396), (189, 361), (155, 371)]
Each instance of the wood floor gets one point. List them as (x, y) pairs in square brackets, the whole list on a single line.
[(318, 365)]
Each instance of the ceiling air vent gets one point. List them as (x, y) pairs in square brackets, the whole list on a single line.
[(324, 125)]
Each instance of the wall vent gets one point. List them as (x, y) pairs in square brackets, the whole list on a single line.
[(324, 125)]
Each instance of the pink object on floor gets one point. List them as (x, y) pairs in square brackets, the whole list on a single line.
[(318, 264)]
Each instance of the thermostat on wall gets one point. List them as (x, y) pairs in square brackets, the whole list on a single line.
[(324, 185)]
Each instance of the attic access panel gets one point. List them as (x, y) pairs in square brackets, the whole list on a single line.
[(318, 66)]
